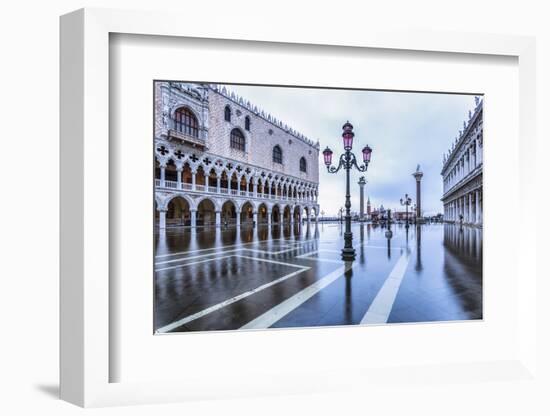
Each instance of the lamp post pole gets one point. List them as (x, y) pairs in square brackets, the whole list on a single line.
[(347, 161), (407, 201)]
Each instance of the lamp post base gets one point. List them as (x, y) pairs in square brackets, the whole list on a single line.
[(348, 254)]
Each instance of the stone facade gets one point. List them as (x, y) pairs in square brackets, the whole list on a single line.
[(203, 177), (463, 173)]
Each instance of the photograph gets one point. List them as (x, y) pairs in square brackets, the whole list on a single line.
[(300, 207)]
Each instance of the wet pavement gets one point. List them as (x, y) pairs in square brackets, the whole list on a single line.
[(226, 279)]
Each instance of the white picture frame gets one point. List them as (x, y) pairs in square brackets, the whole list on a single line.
[(85, 212)]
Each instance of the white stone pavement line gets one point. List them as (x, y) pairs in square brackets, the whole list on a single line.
[(192, 263), (158, 263), (307, 256), (230, 246), (234, 299), (380, 308), (284, 308), (321, 260), (288, 249)]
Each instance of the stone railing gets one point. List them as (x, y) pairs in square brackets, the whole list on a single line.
[(184, 186)]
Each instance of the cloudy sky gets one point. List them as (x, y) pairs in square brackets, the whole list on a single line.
[(403, 129)]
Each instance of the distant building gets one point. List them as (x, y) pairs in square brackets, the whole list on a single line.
[(462, 173), (402, 215), (378, 214)]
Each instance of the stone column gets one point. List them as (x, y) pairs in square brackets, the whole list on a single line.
[(238, 187), (478, 216), (255, 218), (162, 174), (193, 218), (470, 208), (178, 176), (255, 189), (268, 217), (362, 182), (218, 219), (162, 219), (455, 210), (479, 153), (238, 223), (218, 184), (193, 180), (418, 177), (207, 183)]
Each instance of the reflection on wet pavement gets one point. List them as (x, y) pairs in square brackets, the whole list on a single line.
[(281, 277)]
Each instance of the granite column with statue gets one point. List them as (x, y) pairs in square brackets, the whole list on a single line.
[(362, 182), (418, 177)]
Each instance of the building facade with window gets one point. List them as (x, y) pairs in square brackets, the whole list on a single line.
[(220, 160), (462, 173)]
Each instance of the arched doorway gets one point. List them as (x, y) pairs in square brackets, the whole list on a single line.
[(178, 213), (305, 214), (171, 175), (233, 185), (228, 213), (297, 211), (275, 214), (186, 176), (243, 185), (313, 213), (157, 169), (262, 214), (224, 183), (200, 179), (247, 214), (212, 180), (286, 214), (206, 213), (260, 188)]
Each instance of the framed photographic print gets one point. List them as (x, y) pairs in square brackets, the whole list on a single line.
[(288, 213), (251, 230)]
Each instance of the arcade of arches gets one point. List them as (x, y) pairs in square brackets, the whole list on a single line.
[(179, 212)]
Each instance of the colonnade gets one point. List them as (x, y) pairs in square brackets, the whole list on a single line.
[(467, 208)]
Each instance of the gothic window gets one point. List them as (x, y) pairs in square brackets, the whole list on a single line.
[(247, 123), (303, 164), (227, 113), (237, 140), (185, 122), (277, 154)]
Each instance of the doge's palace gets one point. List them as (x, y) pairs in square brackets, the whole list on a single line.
[(220, 160)]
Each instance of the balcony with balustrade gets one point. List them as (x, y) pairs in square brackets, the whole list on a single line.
[(259, 193)]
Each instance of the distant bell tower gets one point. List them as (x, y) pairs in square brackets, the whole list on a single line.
[(368, 207)]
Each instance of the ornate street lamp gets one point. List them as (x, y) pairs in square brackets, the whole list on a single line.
[(347, 161), (407, 201)]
